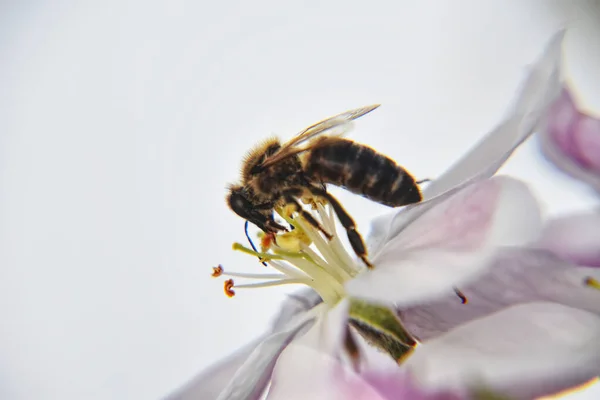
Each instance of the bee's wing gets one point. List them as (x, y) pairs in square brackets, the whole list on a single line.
[(335, 126)]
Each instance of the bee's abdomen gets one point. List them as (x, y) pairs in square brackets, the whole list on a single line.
[(363, 171)]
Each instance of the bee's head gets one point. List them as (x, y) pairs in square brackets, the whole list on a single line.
[(241, 204), (256, 156)]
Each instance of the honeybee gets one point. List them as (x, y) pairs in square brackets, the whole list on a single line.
[(275, 175)]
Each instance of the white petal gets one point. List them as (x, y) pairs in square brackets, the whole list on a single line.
[(297, 303), (541, 86), (311, 358), (311, 374), (517, 276), (575, 238), (319, 376), (327, 334), (531, 105), (525, 351), (251, 378), (210, 382), (451, 243)]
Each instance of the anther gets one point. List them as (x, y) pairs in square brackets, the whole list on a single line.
[(591, 282), (367, 262), (352, 350), (461, 296), (266, 241), (217, 271), (229, 288)]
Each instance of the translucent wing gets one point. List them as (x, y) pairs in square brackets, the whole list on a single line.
[(335, 126)]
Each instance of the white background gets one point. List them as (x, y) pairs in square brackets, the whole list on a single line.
[(121, 123)]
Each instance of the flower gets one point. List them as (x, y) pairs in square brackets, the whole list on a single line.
[(471, 252), (571, 140), (459, 365), (522, 300)]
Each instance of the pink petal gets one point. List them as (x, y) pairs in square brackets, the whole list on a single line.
[(540, 88), (574, 238), (517, 276), (587, 140), (525, 351), (561, 119), (450, 243), (304, 372), (571, 140)]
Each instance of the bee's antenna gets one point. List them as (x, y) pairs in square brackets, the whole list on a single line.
[(251, 243)]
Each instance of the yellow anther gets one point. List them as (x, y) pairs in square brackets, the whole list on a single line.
[(591, 282), (293, 241)]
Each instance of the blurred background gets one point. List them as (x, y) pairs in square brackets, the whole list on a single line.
[(122, 122)]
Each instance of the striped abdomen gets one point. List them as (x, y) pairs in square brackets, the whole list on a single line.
[(363, 171)]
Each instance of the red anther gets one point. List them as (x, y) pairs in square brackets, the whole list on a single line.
[(229, 288), (267, 241), (461, 296), (217, 271)]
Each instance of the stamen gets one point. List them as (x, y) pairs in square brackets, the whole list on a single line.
[(271, 283), (228, 286), (265, 256), (327, 250), (324, 268), (461, 296), (287, 269), (217, 271), (591, 282), (254, 276)]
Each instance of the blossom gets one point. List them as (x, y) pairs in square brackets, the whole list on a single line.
[(506, 214), (571, 139), (465, 363), (521, 301)]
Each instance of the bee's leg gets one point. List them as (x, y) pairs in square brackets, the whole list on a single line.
[(357, 242), (289, 198)]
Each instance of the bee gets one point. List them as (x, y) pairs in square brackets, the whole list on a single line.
[(276, 174)]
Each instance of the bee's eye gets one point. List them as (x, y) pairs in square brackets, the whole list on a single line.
[(239, 204)]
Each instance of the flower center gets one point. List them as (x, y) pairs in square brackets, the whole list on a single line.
[(300, 256)]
